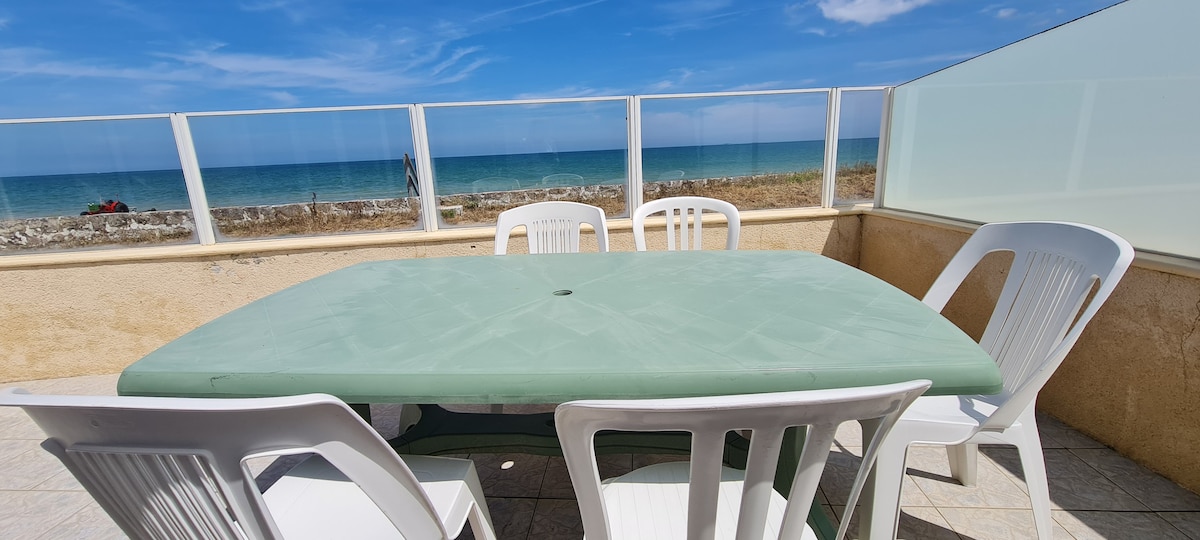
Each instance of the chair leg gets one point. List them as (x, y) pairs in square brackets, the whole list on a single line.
[(1033, 464), (964, 463), (880, 518), (481, 524)]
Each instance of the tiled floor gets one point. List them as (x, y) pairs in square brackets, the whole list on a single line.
[(1095, 492)]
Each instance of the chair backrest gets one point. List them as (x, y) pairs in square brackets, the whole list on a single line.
[(709, 419), (551, 226), (175, 467), (1037, 319), (678, 210)]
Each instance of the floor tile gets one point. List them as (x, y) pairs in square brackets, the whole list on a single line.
[(511, 518), (1186, 522), (28, 514), (19, 426), (996, 524), (918, 523), (61, 481), (1063, 435), (1154, 491), (510, 475), (30, 468), (557, 482), (1117, 525), (91, 523), (929, 468), (1073, 484), (555, 519), (841, 470)]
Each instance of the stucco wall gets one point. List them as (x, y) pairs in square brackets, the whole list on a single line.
[(1133, 379), (63, 319)]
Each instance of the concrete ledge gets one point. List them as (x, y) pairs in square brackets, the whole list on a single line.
[(352, 241)]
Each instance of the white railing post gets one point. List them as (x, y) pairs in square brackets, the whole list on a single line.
[(192, 179), (420, 136), (633, 187), (833, 117), (885, 128)]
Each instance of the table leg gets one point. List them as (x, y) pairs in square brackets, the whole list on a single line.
[(363, 410)]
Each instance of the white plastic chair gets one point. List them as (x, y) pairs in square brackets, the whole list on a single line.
[(1034, 325), (659, 501), (551, 226), (678, 210), (176, 468)]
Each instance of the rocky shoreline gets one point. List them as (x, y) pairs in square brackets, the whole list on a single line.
[(267, 221)]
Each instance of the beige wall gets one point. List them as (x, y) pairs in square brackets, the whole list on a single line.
[(1133, 379), (60, 317)]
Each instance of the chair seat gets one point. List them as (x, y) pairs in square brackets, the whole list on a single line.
[(961, 410), (651, 503), (315, 500)]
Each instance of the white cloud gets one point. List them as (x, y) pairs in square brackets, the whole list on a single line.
[(1006, 13), (3, 24), (867, 12), (286, 99)]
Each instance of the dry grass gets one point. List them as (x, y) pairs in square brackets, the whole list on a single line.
[(310, 224), (788, 190)]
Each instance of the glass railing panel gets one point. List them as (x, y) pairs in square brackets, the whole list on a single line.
[(80, 184), (272, 174), (755, 151), (1070, 124), (858, 146), (489, 158)]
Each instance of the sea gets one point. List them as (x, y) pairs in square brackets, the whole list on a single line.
[(69, 194)]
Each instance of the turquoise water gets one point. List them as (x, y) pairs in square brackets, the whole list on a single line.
[(62, 195)]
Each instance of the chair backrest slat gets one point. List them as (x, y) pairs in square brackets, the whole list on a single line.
[(175, 467), (678, 211), (709, 419), (551, 226), (1040, 312)]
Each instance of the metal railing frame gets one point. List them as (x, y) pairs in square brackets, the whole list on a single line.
[(206, 232)]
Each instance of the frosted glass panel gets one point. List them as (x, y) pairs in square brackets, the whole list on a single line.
[(1094, 121)]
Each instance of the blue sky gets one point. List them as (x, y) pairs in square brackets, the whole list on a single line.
[(99, 57)]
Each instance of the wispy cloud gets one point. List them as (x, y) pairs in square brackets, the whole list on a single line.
[(677, 77), (364, 71), (296, 12), (690, 8), (505, 11), (867, 12), (286, 99), (523, 14), (999, 11), (696, 23), (916, 61), (457, 55), (561, 11), (570, 92), (3, 23), (138, 14)]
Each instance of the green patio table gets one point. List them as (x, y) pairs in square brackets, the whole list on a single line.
[(552, 328)]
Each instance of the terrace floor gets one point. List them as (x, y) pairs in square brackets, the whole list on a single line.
[(1094, 491)]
